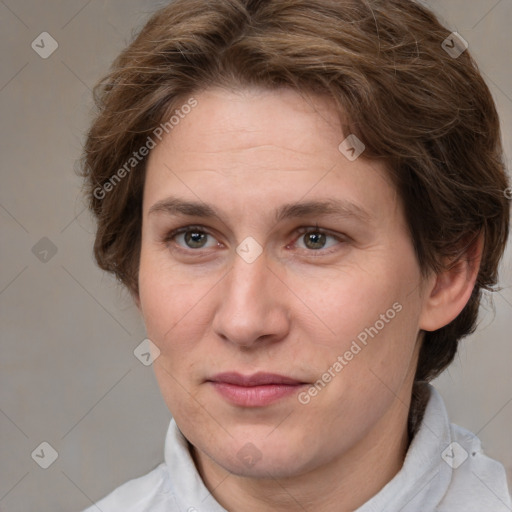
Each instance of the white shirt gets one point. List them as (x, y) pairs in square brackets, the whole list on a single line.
[(444, 470)]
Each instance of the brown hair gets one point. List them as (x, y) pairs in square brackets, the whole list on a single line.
[(428, 114)]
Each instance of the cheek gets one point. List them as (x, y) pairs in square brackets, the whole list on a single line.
[(167, 302), (374, 312), (357, 302), (377, 358), (177, 312), (170, 309)]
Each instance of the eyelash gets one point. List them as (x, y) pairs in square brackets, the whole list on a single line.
[(301, 231)]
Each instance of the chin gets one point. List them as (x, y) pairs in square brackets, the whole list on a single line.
[(257, 457)]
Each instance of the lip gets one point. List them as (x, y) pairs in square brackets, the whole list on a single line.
[(256, 379), (257, 390)]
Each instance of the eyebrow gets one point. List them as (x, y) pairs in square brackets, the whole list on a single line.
[(329, 206)]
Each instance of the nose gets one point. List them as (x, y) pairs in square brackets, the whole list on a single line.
[(252, 305)]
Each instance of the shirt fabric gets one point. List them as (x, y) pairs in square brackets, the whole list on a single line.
[(445, 470)]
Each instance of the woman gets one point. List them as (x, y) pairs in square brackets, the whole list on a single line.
[(305, 200)]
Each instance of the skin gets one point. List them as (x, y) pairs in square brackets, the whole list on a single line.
[(293, 310)]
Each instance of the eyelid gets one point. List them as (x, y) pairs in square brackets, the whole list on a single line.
[(178, 231)]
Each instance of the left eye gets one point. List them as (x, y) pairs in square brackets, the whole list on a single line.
[(315, 239)]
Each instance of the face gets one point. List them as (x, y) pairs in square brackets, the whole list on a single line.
[(293, 261)]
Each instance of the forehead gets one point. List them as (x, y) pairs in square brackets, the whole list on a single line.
[(277, 145), (254, 115)]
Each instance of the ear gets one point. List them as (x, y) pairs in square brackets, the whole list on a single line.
[(448, 292)]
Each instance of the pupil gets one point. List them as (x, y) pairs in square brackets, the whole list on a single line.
[(195, 237), (318, 240)]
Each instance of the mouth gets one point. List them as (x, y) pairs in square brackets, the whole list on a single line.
[(257, 390)]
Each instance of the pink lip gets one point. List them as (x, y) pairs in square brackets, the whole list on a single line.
[(255, 390)]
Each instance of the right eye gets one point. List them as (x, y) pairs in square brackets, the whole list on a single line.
[(192, 238)]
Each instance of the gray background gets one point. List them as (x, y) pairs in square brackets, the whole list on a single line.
[(68, 373)]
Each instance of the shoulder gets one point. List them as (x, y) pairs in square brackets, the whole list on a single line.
[(477, 480), (150, 492)]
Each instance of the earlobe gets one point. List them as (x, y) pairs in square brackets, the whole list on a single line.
[(451, 289)]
